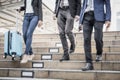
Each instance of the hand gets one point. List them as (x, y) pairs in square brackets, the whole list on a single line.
[(54, 17), (107, 24), (77, 18), (40, 23), (80, 27), (18, 10)]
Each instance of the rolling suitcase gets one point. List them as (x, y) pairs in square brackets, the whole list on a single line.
[(13, 43)]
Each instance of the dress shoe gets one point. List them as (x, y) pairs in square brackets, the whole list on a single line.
[(72, 49), (98, 58), (88, 66), (65, 58)]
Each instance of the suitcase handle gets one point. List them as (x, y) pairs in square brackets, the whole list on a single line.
[(8, 49), (10, 41), (17, 20)]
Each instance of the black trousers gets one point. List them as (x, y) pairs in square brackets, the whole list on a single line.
[(65, 26), (89, 23)]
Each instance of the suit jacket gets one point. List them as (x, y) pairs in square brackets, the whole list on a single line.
[(37, 8), (74, 5), (100, 13)]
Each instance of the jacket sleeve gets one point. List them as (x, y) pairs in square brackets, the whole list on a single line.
[(108, 10), (78, 6), (40, 10), (55, 11), (22, 8)]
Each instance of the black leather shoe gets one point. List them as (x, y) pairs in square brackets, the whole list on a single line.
[(65, 58), (98, 58), (72, 49), (88, 66)]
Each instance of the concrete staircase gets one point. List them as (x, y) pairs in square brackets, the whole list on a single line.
[(46, 66)]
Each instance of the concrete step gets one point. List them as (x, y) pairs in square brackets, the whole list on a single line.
[(78, 38), (50, 64), (75, 56), (60, 74), (76, 34), (80, 49), (55, 37), (106, 43), (112, 33), (58, 43), (40, 44), (18, 78)]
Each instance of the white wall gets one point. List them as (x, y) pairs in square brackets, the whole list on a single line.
[(115, 8), (50, 3), (114, 11)]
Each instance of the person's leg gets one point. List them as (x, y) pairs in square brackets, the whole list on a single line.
[(61, 21), (30, 51), (32, 26), (24, 30), (98, 36), (68, 30), (87, 32), (26, 23), (33, 20), (25, 27)]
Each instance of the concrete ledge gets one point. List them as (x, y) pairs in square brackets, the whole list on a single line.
[(73, 65), (75, 56), (65, 74), (13, 78)]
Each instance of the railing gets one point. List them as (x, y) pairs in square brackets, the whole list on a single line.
[(9, 3)]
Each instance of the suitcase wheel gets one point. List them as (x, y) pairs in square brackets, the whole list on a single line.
[(5, 56), (13, 57), (20, 57)]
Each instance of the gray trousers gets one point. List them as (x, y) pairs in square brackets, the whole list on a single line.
[(65, 26), (88, 23)]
